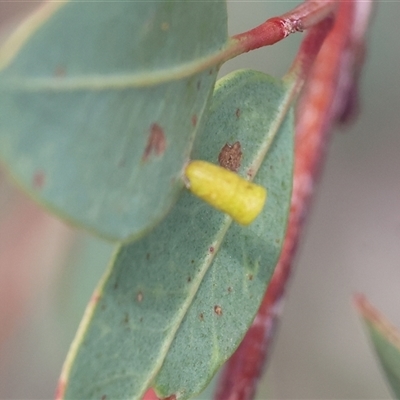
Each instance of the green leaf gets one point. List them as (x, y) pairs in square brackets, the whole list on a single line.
[(386, 341), (174, 305), (100, 104)]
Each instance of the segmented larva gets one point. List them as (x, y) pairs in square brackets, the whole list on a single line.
[(226, 191)]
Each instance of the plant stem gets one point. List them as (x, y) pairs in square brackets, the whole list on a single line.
[(275, 29), (314, 120)]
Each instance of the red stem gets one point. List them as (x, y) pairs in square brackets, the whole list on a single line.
[(241, 373), (275, 29)]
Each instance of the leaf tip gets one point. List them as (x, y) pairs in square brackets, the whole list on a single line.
[(376, 319)]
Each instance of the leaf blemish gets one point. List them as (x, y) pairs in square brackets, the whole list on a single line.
[(126, 319), (38, 180), (194, 120), (229, 289), (230, 156), (237, 112), (211, 249), (250, 277), (218, 310), (139, 297), (171, 397), (156, 143), (189, 279), (164, 26), (104, 397), (60, 71), (201, 316)]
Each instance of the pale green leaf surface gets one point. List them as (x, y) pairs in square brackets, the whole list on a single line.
[(155, 321), (386, 341), (80, 100)]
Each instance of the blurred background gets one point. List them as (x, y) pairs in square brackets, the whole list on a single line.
[(351, 245)]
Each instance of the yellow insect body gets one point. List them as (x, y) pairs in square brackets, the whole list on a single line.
[(226, 191)]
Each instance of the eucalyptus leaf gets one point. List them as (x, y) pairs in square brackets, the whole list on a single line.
[(100, 103), (174, 305)]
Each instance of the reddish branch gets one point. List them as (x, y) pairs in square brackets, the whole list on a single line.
[(323, 102), (275, 29)]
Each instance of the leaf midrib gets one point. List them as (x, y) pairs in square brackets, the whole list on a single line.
[(117, 81)]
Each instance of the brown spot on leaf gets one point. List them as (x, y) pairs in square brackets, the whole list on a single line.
[(126, 319), (116, 285), (104, 397), (139, 297), (170, 397), (60, 71), (250, 277), (164, 26), (201, 316), (218, 310), (211, 249), (194, 119), (156, 142), (189, 279), (39, 179), (237, 112), (229, 289), (230, 156)]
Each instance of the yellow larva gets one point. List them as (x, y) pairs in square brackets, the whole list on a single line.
[(226, 191)]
